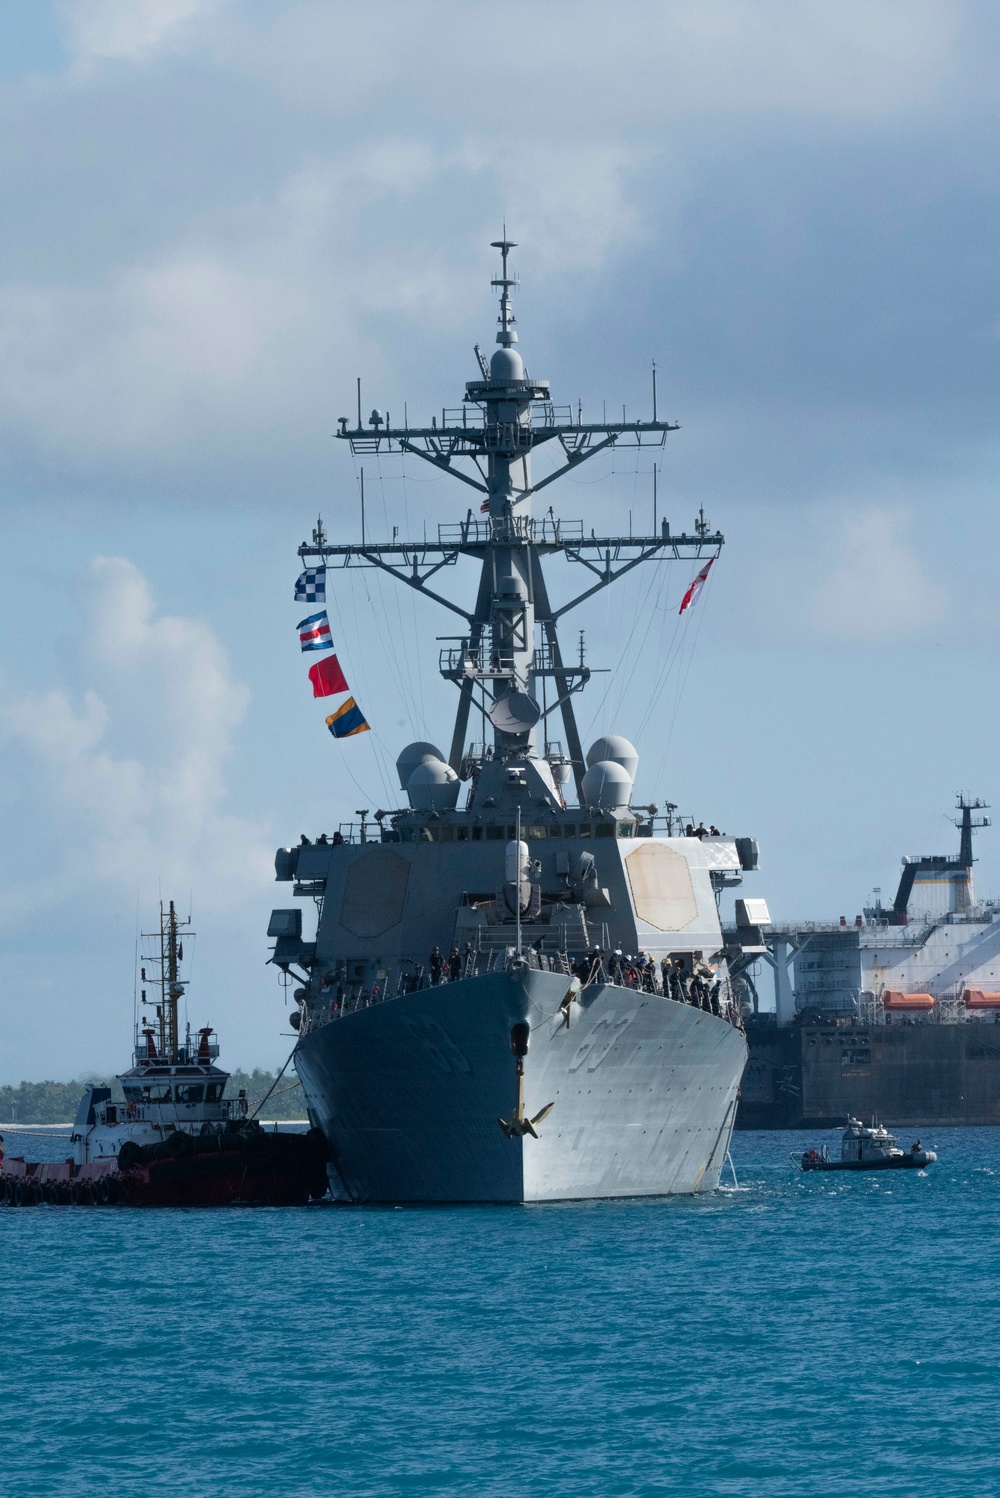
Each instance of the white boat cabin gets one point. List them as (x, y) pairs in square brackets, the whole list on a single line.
[(159, 1099)]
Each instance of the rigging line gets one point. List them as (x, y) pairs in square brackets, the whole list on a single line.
[(685, 655), (135, 971), (410, 591), (669, 656), (417, 725), (656, 576), (678, 638), (412, 668), (376, 756), (366, 790), (602, 479), (677, 700), (613, 675), (639, 654), (294, 1087), (33, 1134), (378, 750), (615, 684), (274, 1083), (412, 595), (387, 645)]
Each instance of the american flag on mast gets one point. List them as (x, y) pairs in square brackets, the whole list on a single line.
[(696, 586)]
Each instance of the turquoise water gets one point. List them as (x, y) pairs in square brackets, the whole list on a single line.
[(800, 1335)]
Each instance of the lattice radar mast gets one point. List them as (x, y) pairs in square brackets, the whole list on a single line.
[(509, 642)]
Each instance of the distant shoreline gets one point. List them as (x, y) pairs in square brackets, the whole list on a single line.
[(38, 1128)]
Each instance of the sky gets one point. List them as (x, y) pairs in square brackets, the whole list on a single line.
[(217, 214)]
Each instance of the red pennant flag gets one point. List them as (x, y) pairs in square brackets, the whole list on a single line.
[(327, 677), (696, 587)]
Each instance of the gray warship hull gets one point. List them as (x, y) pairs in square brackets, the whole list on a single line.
[(409, 1093), (587, 1043)]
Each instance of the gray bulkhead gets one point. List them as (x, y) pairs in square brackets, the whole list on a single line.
[(384, 902)]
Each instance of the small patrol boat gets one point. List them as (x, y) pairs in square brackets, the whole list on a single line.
[(868, 1148), (175, 1140)]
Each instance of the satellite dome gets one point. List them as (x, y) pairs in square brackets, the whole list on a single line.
[(612, 746), (506, 365), (412, 756), (607, 786), (433, 786)]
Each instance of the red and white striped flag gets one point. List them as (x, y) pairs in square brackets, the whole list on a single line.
[(696, 586)]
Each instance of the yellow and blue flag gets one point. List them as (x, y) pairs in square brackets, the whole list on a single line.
[(347, 720)]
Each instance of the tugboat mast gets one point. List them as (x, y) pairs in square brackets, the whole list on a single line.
[(171, 984), (510, 644)]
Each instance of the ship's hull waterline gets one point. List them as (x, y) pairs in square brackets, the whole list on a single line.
[(409, 1093)]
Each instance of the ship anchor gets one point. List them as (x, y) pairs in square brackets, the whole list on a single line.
[(518, 1124)]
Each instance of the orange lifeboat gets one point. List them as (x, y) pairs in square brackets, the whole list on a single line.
[(975, 998), (894, 998)]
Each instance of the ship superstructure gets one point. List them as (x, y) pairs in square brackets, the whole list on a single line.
[(895, 1010), (519, 997)]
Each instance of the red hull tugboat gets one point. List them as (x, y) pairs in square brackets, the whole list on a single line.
[(862, 1148), (175, 1140)]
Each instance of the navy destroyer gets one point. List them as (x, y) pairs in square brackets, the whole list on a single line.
[(892, 1012), (525, 997)]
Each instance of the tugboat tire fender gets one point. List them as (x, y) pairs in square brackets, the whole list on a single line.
[(180, 1143)]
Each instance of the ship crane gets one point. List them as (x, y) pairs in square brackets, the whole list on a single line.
[(510, 644)]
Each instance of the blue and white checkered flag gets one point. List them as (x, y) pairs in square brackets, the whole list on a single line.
[(311, 586)]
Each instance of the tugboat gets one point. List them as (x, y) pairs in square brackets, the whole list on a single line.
[(863, 1148), (175, 1140)]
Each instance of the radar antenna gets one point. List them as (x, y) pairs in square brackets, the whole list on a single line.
[(509, 643)]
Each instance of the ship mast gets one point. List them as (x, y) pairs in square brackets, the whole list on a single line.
[(171, 984), (509, 644)]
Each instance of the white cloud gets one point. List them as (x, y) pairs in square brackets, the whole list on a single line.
[(232, 331), (880, 589), (242, 324), (131, 30), (128, 769), (560, 72)]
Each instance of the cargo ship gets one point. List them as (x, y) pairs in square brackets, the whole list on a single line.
[(173, 1138), (896, 1012)]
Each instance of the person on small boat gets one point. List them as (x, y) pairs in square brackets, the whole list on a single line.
[(916, 1148)]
